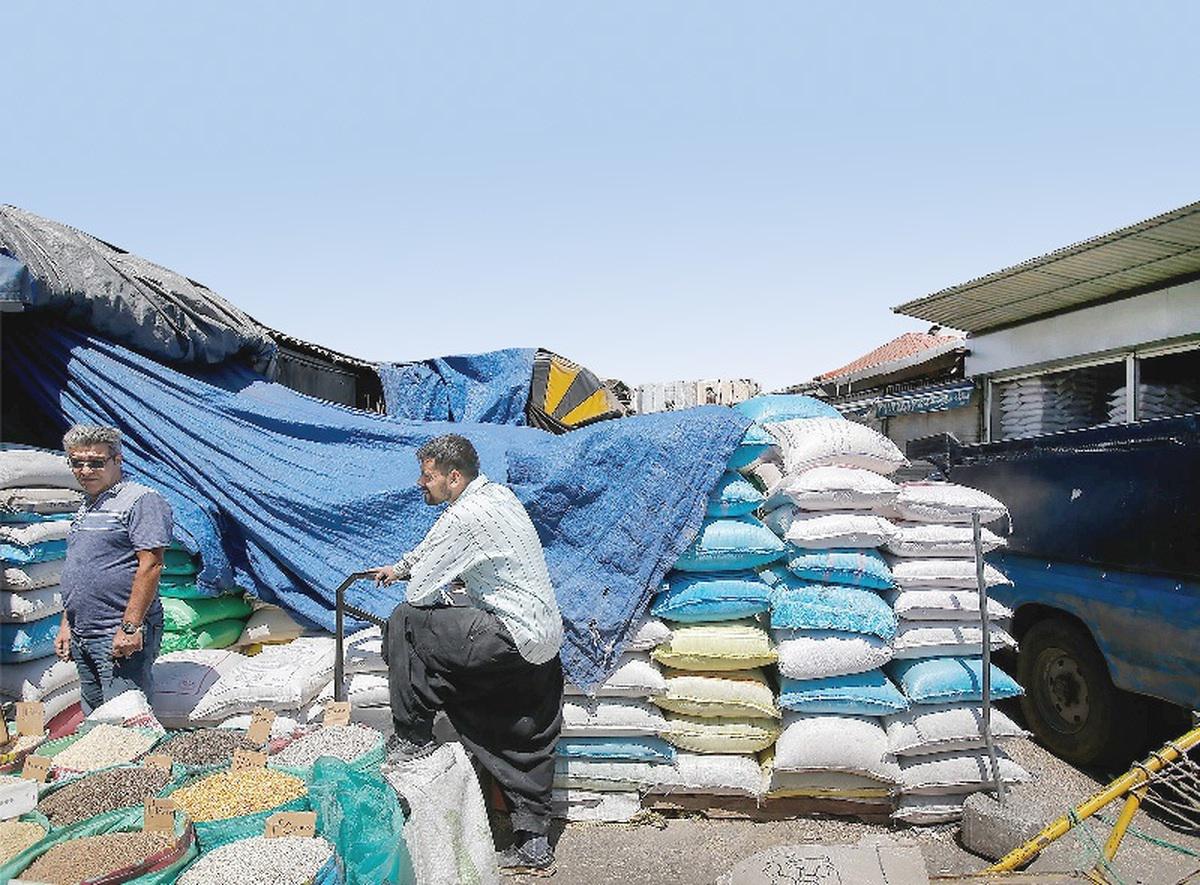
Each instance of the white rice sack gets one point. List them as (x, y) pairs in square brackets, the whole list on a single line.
[(26, 534), (27, 466), (129, 708), (182, 678), (943, 574), (649, 633), (636, 676), (938, 728), (18, 796), (604, 776), (54, 702), (30, 605), (815, 654), (924, 810), (280, 677), (822, 530), (834, 442), (833, 488), (589, 805), (364, 651), (30, 576), (824, 742), (282, 726), (42, 501), (734, 693), (944, 502), (923, 541), (942, 605), (33, 680), (615, 717), (269, 625), (939, 774), (362, 690), (939, 639), (709, 775)]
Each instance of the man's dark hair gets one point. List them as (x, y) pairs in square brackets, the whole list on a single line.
[(451, 452)]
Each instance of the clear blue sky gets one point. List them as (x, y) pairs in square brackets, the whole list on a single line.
[(657, 190)]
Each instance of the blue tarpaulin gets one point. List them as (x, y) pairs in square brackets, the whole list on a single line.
[(285, 495), (487, 388)]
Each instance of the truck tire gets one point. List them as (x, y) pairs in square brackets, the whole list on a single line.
[(1070, 702)]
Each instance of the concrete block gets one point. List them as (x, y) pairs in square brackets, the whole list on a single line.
[(993, 830)]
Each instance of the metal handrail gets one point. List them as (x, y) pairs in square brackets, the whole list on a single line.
[(341, 609)]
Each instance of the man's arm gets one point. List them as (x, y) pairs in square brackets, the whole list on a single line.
[(141, 596)]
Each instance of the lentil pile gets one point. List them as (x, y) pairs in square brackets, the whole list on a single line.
[(208, 746), (93, 856), (104, 746), (234, 793), (98, 793), (285, 860), (346, 742), (16, 836)]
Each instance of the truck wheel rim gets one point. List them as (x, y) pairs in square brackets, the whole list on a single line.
[(1064, 698)]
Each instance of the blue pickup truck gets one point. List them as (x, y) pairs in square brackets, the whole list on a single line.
[(1104, 556)]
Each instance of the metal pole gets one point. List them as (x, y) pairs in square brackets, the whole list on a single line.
[(339, 650), (981, 580)]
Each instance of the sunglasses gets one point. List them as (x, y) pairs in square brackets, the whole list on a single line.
[(93, 463)]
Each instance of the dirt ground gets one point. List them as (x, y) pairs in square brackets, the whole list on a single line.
[(694, 850)]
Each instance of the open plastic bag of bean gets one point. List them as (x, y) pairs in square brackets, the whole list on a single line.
[(111, 848), (229, 805)]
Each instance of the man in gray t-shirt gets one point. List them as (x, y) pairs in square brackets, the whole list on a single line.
[(112, 618)]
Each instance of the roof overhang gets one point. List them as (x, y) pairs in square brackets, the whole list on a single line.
[(895, 370), (1151, 254)]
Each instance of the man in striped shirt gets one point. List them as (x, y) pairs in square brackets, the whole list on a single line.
[(478, 637)]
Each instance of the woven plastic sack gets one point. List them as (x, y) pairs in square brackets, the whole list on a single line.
[(826, 529), (359, 814), (188, 614), (924, 810), (30, 605), (607, 775), (29, 641), (739, 693), (34, 680), (923, 541), (814, 654), (29, 534), (946, 502), (724, 735), (279, 677), (43, 501), (690, 598), (860, 694), (181, 587), (730, 544), (591, 805), (753, 446), (610, 717), (269, 625), (629, 749), (29, 466), (817, 784), (648, 634), (940, 728), (772, 407), (182, 678), (804, 605), (733, 496), (834, 488), (928, 639), (33, 576), (835, 442), (177, 561), (732, 645), (956, 772), (364, 651), (709, 775), (943, 574), (218, 635), (857, 567), (18, 797), (634, 677), (368, 763), (815, 742), (942, 605), (950, 680), (25, 554)]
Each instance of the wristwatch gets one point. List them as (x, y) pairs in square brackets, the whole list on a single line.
[(129, 628)]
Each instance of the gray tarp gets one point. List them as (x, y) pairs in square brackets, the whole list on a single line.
[(102, 289)]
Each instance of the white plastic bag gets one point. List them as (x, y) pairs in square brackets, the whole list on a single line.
[(280, 677)]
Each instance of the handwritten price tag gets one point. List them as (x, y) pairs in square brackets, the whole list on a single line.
[(244, 759), (31, 717), (159, 816), (291, 823), (260, 726), (158, 761), (337, 713), (36, 768)]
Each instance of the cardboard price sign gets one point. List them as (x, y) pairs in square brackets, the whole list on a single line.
[(337, 713), (159, 816), (244, 759), (31, 718), (159, 761), (260, 726), (291, 823), (36, 768)]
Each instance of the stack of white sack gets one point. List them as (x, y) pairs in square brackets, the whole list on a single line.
[(939, 740), (609, 750), (833, 629), (366, 681), (38, 496), (720, 705)]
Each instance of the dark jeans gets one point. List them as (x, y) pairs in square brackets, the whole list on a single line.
[(507, 711), (102, 678)]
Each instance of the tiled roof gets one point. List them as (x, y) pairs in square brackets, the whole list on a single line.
[(907, 345)]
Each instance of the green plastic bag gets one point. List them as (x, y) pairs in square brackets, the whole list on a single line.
[(180, 615), (180, 587), (219, 634), (358, 812), (177, 561)]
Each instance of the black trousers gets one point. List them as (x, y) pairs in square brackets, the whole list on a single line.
[(507, 711)]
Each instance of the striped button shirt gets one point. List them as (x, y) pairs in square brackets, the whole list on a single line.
[(486, 540)]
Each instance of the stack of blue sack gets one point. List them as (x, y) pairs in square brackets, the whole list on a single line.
[(38, 496), (939, 740), (833, 630), (720, 704)]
